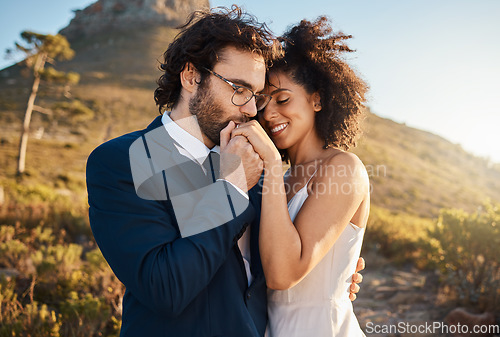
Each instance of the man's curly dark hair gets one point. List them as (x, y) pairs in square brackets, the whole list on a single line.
[(200, 41), (313, 60)]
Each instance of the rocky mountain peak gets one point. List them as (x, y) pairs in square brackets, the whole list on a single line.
[(123, 14)]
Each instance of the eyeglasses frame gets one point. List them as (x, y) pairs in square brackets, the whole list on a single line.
[(236, 87)]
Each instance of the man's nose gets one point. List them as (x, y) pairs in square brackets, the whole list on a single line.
[(250, 108)]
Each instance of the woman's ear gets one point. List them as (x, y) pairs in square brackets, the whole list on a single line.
[(190, 77), (316, 99)]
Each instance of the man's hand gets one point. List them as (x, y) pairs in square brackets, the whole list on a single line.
[(239, 163), (260, 141), (356, 278)]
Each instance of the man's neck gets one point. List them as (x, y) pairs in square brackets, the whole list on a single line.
[(188, 122)]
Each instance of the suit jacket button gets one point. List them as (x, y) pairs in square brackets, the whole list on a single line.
[(248, 295)]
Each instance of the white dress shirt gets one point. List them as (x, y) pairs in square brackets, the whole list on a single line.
[(196, 150)]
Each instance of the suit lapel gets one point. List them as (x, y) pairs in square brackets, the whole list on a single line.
[(256, 263), (164, 151), (166, 156)]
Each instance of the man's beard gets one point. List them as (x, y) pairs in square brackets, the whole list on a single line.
[(209, 114)]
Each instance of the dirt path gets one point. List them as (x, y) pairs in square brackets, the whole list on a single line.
[(403, 299)]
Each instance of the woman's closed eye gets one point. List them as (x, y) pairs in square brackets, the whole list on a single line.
[(282, 100)]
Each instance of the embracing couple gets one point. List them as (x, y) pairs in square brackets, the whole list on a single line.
[(194, 214)]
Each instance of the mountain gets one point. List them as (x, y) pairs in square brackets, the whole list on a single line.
[(411, 171), (105, 15)]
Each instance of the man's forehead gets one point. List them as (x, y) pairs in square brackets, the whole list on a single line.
[(247, 66), (230, 53)]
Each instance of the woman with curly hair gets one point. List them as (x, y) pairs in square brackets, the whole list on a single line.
[(313, 219)]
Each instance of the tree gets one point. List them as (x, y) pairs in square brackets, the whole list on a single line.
[(38, 50)]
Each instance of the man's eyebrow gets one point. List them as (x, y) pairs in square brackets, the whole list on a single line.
[(244, 83)]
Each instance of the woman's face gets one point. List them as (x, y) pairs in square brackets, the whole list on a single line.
[(289, 116)]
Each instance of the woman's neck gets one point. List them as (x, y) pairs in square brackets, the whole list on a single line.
[(308, 149)]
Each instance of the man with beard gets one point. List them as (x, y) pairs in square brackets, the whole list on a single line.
[(182, 238)]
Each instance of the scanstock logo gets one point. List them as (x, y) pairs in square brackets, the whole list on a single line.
[(161, 170)]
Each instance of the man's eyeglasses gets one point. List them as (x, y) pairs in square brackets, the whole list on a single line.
[(242, 95)]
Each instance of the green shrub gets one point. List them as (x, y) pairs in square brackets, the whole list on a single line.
[(84, 316), (35, 205), (467, 253), (58, 260), (29, 320), (38, 320), (58, 272), (11, 252), (74, 111), (400, 237), (10, 307), (14, 252), (64, 293), (98, 278)]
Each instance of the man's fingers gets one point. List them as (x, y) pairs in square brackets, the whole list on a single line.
[(354, 288), (255, 136), (241, 130), (352, 296), (225, 134), (248, 129), (357, 278), (360, 265)]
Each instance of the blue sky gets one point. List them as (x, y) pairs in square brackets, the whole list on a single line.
[(430, 64)]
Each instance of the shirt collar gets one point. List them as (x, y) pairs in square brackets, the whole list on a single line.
[(195, 147)]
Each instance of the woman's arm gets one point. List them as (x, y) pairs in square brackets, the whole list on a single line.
[(290, 250)]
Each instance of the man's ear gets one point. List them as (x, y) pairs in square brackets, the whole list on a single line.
[(316, 99), (190, 77)]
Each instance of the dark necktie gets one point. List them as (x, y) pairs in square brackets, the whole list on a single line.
[(212, 165)]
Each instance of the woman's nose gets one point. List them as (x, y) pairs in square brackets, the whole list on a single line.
[(269, 112)]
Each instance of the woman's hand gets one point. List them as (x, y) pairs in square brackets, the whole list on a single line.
[(240, 164), (259, 139)]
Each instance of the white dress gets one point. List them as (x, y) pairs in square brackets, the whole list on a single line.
[(319, 305)]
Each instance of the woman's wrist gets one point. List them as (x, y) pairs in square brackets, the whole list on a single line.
[(272, 163)]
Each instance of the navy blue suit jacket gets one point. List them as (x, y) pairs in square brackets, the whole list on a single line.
[(175, 286)]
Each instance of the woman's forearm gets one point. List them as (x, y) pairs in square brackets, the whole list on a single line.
[(279, 241)]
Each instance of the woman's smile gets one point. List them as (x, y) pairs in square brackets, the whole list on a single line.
[(278, 129)]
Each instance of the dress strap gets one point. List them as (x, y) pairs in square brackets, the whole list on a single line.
[(312, 175)]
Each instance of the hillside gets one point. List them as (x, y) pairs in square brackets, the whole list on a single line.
[(411, 171), (417, 172)]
